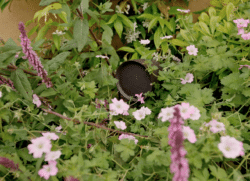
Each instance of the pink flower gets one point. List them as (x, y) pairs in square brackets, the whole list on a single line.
[(36, 100), (192, 50), (241, 22), (179, 164), (120, 124), (140, 98), (241, 66), (241, 31), (216, 126), (146, 110), (246, 36), (39, 146), (50, 136), (52, 155), (48, 170), (186, 110), (189, 134), (130, 137), (230, 147), (189, 78), (166, 114), (32, 56), (145, 42)]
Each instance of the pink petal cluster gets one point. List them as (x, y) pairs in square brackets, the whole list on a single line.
[(58, 128), (241, 24), (141, 113), (36, 100), (32, 56), (48, 170), (188, 78), (166, 114), (140, 98), (215, 126), (7, 82), (7, 163), (130, 137), (118, 107), (192, 50), (43, 145), (179, 164), (70, 178), (120, 124), (230, 147), (186, 110)]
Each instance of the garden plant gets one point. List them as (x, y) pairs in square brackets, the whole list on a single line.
[(60, 116)]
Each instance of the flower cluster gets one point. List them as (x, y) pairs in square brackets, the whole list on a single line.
[(119, 10), (141, 113), (241, 24), (6, 81), (8, 163), (188, 79), (120, 124), (132, 35), (118, 107), (32, 56), (184, 11), (42, 145), (101, 56), (58, 32), (144, 42), (36, 100)]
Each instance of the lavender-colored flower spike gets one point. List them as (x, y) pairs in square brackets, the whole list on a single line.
[(179, 164), (8, 163), (32, 56), (70, 178), (6, 81)]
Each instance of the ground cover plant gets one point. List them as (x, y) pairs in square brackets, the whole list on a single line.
[(60, 115)]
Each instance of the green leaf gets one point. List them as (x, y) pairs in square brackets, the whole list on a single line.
[(147, 16), (47, 2), (22, 84), (204, 27), (126, 49), (126, 21), (58, 60), (57, 41), (184, 34), (213, 23), (179, 43), (107, 34), (152, 23), (33, 30), (222, 13), (204, 17), (134, 5), (211, 11), (42, 32), (126, 148), (84, 5), (6, 58), (118, 27), (229, 11), (48, 92), (80, 33), (164, 46), (112, 19), (157, 39)]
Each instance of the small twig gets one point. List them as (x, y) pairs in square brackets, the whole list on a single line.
[(25, 71), (91, 124)]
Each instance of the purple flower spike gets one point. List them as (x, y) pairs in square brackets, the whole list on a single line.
[(8, 163), (179, 164), (6, 81), (32, 56)]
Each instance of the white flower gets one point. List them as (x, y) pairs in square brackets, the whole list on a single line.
[(118, 9), (52, 155), (101, 56), (196, 115), (130, 137), (139, 114), (58, 32), (145, 6), (184, 11), (131, 35), (189, 134), (0, 94), (50, 136), (36, 100), (146, 23), (230, 147), (120, 124), (176, 58), (167, 37), (189, 78), (192, 50), (166, 113), (39, 146), (118, 107), (146, 110), (145, 42)]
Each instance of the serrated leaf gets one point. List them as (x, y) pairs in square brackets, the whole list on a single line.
[(80, 33), (126, 148), (204, 27), (48, 92), (57, 61), (22, 84)]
